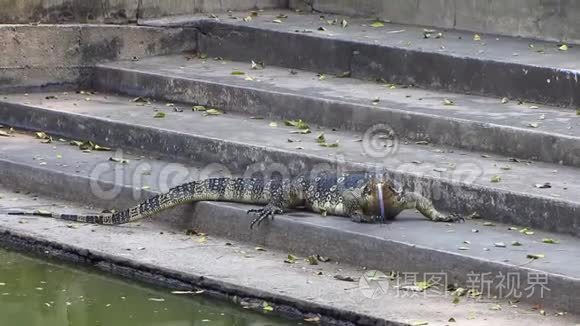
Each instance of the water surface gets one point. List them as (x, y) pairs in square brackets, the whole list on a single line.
[(38, 293)]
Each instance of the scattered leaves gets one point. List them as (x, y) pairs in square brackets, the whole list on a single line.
[(159, 115), (448, 102), (533, 125), (199, 108), (157, 299), (488, 224), (344, 74), (298, 124), (312, 260), (118, 160), (527, 231), (267, 307), (322, 259), (344, 278), (505, 100), (477, 37), (377, 24), (535, 256), (499, 244), (259, 65), (238, 73), (291, 259), (420, 323), (277, 21), (496, 179), (321, 140), (273, 124), (563, 47), (210, 112), (431, 33), (550, 241), (314, 319)]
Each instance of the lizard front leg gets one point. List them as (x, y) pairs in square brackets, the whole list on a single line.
[(413, 200)]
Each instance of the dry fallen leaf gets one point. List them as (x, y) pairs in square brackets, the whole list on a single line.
[(550, 241), (377, 24), (448, 102), (211, 112), (535, 256)]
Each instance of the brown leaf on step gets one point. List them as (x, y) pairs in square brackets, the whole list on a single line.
[(448, 102), (291, 259), (345, 74), (535, 256), (312, 260), (322, 258), (344, 278), (212, 112)]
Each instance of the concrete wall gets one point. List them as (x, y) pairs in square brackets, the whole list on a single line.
[(53, 55), (554, 20), (117, 11), (63, 11)]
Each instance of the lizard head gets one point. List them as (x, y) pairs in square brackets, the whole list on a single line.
[(381, 196)]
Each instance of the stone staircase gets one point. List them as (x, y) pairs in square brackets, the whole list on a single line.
[(484, 125)]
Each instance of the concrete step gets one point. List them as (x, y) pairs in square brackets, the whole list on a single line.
[(411, 245), (549, 20), (456, 181), (497, 66), (474, 123)]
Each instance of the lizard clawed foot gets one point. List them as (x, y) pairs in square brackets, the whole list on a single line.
[(455, 218), (264, 213)]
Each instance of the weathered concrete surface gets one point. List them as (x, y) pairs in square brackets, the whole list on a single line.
[(68, 11), (117, 11), (44, 55), (161, 8), (410, 244), (548, 20), (457, 181), (474, 123), (502, 67)]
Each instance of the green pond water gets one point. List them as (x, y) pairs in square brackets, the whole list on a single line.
[(38, 293)]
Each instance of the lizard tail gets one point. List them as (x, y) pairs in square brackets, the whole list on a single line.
[(240, 190)]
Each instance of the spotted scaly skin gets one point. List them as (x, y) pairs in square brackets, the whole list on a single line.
[(354, 195)]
